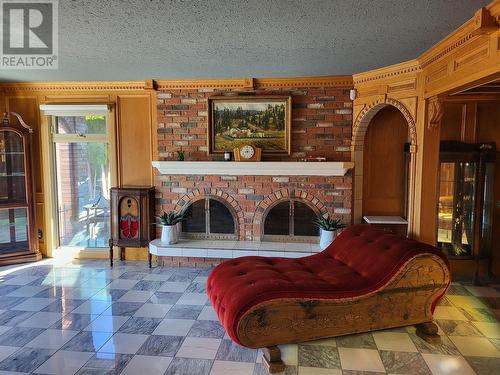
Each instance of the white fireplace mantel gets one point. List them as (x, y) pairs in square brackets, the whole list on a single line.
[(265, 168)]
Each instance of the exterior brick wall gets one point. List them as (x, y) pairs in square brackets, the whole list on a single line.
[(321, 122)]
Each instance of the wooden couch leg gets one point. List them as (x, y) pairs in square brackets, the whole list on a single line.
[(428, 331), (272, 359)]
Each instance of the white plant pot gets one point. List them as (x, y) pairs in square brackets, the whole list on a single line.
[(169, 234), (326, 238)]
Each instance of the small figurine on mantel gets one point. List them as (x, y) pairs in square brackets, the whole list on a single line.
[(180, 155)]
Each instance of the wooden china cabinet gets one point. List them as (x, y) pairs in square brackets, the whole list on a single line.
[(18, 234)]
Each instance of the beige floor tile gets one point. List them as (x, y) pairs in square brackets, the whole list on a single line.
[(361, 360), (232, 368), (394, 341), (289, 354), (448, 313), (466, 301), (323, 342), (491, 330), (475, 346), (199, 347), (447, 365), (318, 371)]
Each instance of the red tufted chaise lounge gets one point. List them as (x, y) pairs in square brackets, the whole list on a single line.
[(365, 280)]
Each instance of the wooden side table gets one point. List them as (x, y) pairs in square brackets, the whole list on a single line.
[(394, 224)]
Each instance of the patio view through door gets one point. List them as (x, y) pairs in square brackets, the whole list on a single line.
[(80, 157)]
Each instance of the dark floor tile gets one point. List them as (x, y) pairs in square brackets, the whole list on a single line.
[(75, 322), (404, 363), (360, 340), (261, 369), (184, 366), (124, 308), (484, 365), (108, 362), (196, 288), (458, 328), (184, 312), (168, 298), (63, 306), (319, 356), (19, 336), (230, 351), (133, 275), (492, 302), (458, 290), (206, 328), (54, 292), (87, 341), (14, 317), (143, 326), (10, 302), (165, 346), (445, 347), (25, 360), (444, 302), (6, 289), (96, 371), (147, 285), (478, 314)]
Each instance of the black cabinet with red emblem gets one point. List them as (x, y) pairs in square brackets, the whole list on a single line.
[(132, 218)]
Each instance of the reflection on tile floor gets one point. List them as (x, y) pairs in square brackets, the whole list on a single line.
[(84, 318)]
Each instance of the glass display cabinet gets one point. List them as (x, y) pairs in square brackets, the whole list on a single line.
[(465, 200), (18, 234)]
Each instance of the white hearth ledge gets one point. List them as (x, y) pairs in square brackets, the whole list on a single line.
[(264, 168)]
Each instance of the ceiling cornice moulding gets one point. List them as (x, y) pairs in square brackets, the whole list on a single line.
[(407, 67), (75, 86)]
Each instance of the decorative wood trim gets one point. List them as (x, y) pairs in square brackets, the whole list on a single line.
[(321, 81), (220, 83), (483, 22), (435, 113), (407, 67), (74, 86)]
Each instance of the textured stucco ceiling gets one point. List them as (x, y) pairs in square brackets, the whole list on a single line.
[(143, 39)]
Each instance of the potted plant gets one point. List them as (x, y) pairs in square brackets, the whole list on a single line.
[(328, 230), (169, 221)]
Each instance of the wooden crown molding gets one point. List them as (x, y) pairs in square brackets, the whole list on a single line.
[(485, 21), (75, 86), (407, 67), (256, 83), (318, 81), (222, 83)]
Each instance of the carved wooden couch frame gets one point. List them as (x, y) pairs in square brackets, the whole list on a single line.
[(404, 292)]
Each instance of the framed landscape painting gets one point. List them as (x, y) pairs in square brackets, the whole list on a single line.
[(262, 121)]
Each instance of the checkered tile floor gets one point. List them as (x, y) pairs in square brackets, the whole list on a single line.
[(85, 318)]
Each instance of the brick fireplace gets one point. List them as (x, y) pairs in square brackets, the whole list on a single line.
[(249, 197), (321, 126)]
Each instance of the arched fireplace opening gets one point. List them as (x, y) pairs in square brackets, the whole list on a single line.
[(291, 220), (209, 218)]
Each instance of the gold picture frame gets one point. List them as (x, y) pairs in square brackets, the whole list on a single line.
[(260, 120)]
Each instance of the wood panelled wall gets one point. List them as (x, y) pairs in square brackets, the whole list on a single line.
[(384, 164), (132, 109), (474, 122)]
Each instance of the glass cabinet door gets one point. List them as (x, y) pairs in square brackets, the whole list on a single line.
[(456, 207), (12, 170), (14, 214)]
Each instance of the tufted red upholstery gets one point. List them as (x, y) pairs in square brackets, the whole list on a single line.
[(361, 260)]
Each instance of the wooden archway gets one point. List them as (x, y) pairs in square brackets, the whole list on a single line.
[(360, 126)]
